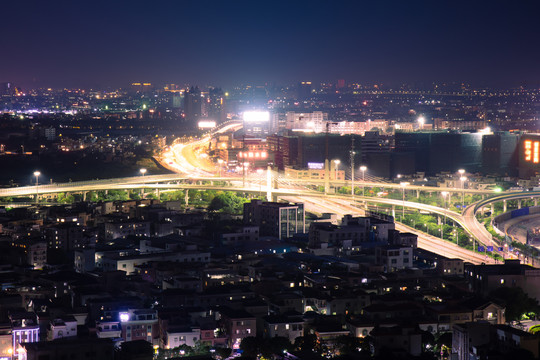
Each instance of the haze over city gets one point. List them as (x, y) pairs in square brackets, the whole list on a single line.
[(102, 44)]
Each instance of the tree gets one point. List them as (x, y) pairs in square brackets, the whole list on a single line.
[(227, 202), (307, 344), (275, 345), (250, 345), (224, 352), (347, 344), (518, 303)]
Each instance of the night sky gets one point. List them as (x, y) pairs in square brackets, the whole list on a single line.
[(111, 43)]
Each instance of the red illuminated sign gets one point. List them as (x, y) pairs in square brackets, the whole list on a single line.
[(532, 151)]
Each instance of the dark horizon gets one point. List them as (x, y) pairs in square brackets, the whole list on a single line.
[(109, 45)]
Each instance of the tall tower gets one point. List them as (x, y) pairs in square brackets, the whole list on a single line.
[(192, 104), (216, 105)]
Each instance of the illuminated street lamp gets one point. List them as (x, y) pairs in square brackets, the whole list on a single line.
[(363, 168), (336, 165), (421, 122), (403, 185), (36, 174), (463, 179), (143, 171), (444, 194)]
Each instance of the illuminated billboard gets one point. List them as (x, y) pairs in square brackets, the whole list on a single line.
[(256, 116), (207, 124), (315, 166), (531, 151)]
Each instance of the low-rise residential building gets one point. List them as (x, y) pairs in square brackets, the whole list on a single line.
[(140, 324), (62, 328), (108, 329), (24, 329), (394, 258), (398, 339), (176, 336), (289, 326), (451, 267), (281, 220), (238, 324), (466, 338)]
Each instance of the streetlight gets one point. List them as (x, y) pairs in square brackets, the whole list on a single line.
[(403, 184), (336, 164), (36, 174), (142, 171), (463, 179), (363, 168), (444, 193), (421, 121)]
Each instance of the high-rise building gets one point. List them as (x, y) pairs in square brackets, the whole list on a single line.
[(7, 88), (215, 105), (529, 155), (312, 149), (257, 123), (373, 143), (304, 90), (192, 105), (436, 152), (500, 153), (314, 121), (176, 100)]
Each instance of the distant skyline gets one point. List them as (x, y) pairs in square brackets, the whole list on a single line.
[(112, 43)]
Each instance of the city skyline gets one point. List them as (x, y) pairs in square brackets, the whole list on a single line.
[(110, 45)]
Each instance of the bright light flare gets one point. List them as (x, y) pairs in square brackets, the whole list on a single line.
[(256, 116), (206, 124)]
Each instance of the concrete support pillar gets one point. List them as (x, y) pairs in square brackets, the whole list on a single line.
[(157, 193), (492, 209), (504, 205), (394, 211), (418, 194), (269, 183), (84, 195), (186, 198), (326, 176), (519, 203), (535, 201)]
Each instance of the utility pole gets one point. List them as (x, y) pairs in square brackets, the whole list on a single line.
[(326, 161), (352, 166), (243, 161)]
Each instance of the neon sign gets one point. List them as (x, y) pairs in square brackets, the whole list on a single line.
[(532, 151)]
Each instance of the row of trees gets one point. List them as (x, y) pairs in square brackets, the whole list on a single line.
[(217, 201)]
